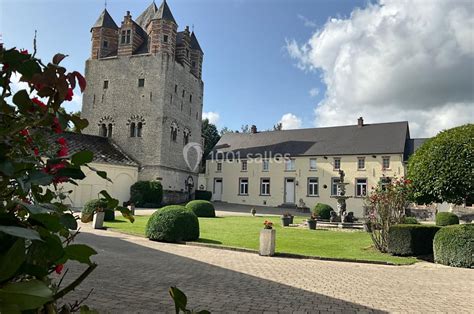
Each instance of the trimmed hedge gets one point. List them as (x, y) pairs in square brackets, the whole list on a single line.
[(173, 223), (203, 195), (92, 205), (411, 240), (202, 208), (322, 211), (446, 219), (410, 221), (146, 194), (454, 246)]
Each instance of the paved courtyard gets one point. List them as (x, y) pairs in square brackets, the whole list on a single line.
[(134, 274)]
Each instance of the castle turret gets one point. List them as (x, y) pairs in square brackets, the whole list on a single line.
[(183, 47), (131, 37), (104, 36), (196, 57)]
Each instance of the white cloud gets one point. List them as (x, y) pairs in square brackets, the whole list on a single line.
[(307, 22), (313, 92), (290, 121), (397, 60), (213, 117)]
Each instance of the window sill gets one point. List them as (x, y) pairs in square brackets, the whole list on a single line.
[(243, 170), (360, 196), (313, 170), (312, 195), (362, 169), (334, 169), (264, 195), (290, 170), (243, 194)]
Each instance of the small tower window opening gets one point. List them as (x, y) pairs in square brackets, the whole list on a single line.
[(171, 99), (187, 52), (165, 38), (105, 44), (190, 98), (174, 131), (103, 130), (176, 88), (109, 133), (139, 129), (106, 84), (184, 93), (141, 82), (132, 129), (186, 139)]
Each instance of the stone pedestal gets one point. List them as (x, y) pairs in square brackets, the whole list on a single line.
[(98, 221), (267, 242)]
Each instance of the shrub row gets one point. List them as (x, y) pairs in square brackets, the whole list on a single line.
[(146, 194), (322, 211), (412, 240), (454, 246), (446, 219), (203, 195)]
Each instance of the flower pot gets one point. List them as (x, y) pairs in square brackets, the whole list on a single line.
[(98, 221), (286, 221), (291, 219), (267, 242), (312, 224)]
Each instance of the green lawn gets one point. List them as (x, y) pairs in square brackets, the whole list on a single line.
[(243, 232)]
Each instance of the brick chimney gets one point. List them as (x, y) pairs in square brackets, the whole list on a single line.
[(253, 129), (360, 122)]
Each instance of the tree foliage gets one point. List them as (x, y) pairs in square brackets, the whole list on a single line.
[(442, 169), (211, 136)]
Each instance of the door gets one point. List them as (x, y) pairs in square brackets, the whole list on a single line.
[(217, 195), (290, 190)]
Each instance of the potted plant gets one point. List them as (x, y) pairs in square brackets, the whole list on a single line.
[(98, 220), (267, 239), (312, 221), (286, 219), (94, 210)]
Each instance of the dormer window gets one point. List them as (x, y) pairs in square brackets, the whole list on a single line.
[(125, 38)]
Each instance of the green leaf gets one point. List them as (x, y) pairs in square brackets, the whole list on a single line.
[(78, 122), (179, 298), (80, 253), (50, 222), (20, 232), (81, 158), (86, 310), (40, 178), (111, 202), (103, 175), (35, 208), (68, 221), (27, 295), (73, 173), (6, 167), (11, 261), (22, 100), (29, 68), (126, 213)]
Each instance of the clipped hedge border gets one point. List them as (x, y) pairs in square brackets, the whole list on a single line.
[(411, 240), (454, 246), (446, 219), (202, 208)]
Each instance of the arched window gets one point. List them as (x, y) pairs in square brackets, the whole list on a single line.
[(139, 129), (132, 129), (103, 130), (109, 134), (186, 134)]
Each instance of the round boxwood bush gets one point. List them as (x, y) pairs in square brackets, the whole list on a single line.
[(322, 211), (410, 221), (454, 246), (173, 223), (202, 208), (93, 205), (446, 219)]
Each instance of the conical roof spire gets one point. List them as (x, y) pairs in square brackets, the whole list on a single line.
[(147, 15), (194, 43), (164, 13), (105, 20)]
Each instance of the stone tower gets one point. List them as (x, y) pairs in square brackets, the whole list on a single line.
[(145, 92)]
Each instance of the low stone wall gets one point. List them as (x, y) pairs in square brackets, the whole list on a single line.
[(175, 197)]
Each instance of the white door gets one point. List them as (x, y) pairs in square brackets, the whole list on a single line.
[(289, 190), (217, 190)]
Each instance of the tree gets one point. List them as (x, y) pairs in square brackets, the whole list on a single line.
[(442, 169), (225, 130), (245, 128), (278, 127), (211, 137)]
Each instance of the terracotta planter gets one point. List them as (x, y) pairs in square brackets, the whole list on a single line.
[(267, 242), (98, 221)]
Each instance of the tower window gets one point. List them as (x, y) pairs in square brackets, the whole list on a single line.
[(133, 129), (106, 84), (139, 129), (105, 44), (109, 133), (194, 64), (174, 134), (184, 92), (190, 98), (103, 130), (165, 38), (141, 82), (176, 88), (186, 138)]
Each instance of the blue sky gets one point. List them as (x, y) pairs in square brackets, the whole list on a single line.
[(248, 74)]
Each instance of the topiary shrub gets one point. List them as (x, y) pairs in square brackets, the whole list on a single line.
[(410, 221), (173, 223), (446, 219), (146, 194), (91, 206), (323, 211), (202, 208), (203, 195), (411, 239), (454, 246)]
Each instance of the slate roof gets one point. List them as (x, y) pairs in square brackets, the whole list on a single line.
[(105, 151), (381, 138), (164, 13), (105, 20), (194, 42), (147, 15)]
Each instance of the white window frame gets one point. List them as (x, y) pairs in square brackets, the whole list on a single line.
[(333, 184), (243, 186), (265, 165), (360, 186), (290, 164), (359, 160), (265, 186), (315, 164), (219, 167), (338, 159), (243, 165), (313, 186), (384, 158)]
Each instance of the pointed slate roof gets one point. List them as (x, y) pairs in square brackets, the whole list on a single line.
[(147, 15), (194, 43), (105, 20), (164, 13)]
